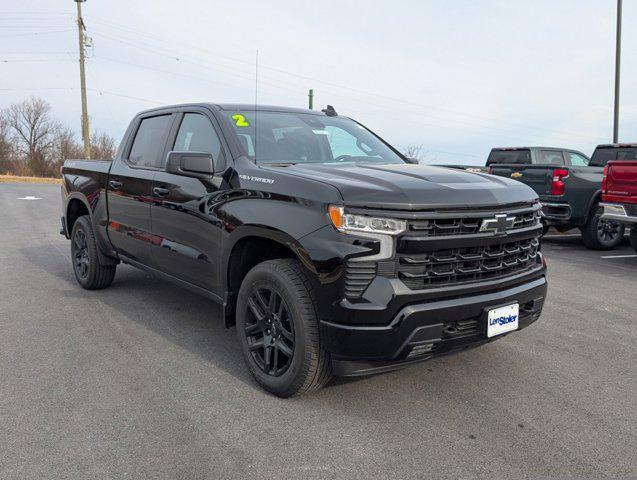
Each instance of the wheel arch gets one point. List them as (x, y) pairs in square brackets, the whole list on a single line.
[(595, 198), (78, 205), (249, 246)]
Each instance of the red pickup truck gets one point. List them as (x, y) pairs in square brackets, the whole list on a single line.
[(619, 194)]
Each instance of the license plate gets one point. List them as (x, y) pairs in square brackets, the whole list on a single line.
[(502, 319)]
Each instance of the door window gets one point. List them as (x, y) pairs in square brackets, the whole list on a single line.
[(196, 134), (551, 157), (576, 160), (149, 142)]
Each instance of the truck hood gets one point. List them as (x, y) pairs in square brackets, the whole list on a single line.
[(412, 187)]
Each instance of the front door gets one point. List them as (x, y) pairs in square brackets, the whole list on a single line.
[(183, 213), (130, 188)]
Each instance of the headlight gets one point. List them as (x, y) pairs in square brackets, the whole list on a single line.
[(347, 222)]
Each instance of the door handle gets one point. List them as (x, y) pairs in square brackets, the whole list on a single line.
[(115, 185), (160, 191)]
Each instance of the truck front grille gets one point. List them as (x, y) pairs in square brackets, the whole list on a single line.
[(468, 264), (436, 227), (441, 249)]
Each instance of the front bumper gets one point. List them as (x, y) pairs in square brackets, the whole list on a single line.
[(621, 213), (425, 330)]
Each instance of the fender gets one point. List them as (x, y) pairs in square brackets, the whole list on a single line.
[(275, 235), (322, 254)]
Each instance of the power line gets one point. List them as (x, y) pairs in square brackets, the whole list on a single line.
[(424, 107)]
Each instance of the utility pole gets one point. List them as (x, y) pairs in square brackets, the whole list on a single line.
[(311, 99), (618, 54), (80, 35)]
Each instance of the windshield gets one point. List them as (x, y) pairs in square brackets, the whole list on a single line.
[(284, 137)]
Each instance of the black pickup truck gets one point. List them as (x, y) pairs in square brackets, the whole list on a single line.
[(331, 252), (569, 185)]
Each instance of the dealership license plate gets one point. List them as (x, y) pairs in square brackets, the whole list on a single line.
[(502, 320)]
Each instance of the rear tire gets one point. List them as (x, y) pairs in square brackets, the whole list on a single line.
[(277, 328), (86, 266), (600, 234), (633, 236)]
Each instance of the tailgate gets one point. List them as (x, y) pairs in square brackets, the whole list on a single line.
[(538, 177), (621, 181)]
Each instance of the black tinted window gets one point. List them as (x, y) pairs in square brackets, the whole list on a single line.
[(551, 157), (196, 134), (601, 156), (148, 145), (627, 154), (509, 156)]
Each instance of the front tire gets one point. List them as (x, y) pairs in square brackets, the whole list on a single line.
[(278, 331), (599, 234), (86, 266)]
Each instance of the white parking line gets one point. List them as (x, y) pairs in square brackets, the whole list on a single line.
[(618, 256)]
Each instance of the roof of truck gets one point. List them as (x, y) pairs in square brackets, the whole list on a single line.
[(617, 145), (237, 107), (535, 148)]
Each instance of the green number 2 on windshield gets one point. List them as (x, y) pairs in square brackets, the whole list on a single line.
[(240, 120)]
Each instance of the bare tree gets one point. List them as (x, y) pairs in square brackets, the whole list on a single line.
[(103, 146), (35, 133), (7, 149), (415, 151), (66, 147)]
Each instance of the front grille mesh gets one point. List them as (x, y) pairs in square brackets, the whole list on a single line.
[(459, 265), (437, 227)]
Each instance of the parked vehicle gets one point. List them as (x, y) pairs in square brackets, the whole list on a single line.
[(333, 254), (619, 193), (569, 187)]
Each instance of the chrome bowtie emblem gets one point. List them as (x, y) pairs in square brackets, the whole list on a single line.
[(498, 224)]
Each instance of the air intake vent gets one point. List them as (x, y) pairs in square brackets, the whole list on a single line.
[(358, 277), (421, 350)]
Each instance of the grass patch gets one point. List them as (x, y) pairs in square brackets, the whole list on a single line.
[(17, 179)]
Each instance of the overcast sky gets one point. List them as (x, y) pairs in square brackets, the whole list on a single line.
[(458, 77)]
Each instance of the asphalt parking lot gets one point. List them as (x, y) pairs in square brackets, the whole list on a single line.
[(142, 380)]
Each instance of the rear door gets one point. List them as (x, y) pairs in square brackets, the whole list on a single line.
[(130, 186), (184, 208)]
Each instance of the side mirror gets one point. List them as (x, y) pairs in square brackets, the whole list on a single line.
[(414, 161), (190, 164)]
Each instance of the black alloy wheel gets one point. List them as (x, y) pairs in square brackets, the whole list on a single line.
[(269, 331), (599, 233), (81, 260), (608, 231), (278, 329)]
